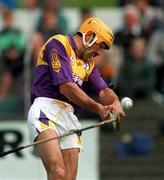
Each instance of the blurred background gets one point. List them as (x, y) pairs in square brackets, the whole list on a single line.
[(135, 65)]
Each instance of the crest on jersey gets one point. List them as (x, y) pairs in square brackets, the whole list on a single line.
[(55, 60), (86, 66)]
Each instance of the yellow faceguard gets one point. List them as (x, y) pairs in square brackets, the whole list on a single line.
[(102, 32)]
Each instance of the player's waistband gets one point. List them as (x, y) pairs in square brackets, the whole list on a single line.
[(62, 104)]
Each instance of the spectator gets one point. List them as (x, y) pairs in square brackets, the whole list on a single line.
[(85, 14), (157, 3), (109, 64), (8, 4), (124, 2), (31, 5), (12, 46), (45, 30), (137, 76), (31, 14), (130, 30), (156, 57), (50, 23), (53, 5), (150, 17)]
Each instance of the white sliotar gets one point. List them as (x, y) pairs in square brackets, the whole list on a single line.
[(126, 103)]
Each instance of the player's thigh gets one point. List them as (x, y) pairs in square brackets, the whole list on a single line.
[(50, 152), (70, 157)]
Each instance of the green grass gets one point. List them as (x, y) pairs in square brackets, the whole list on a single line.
[(91, 3)]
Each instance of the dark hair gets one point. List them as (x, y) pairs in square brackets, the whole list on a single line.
[(85, 10), (79, 33)]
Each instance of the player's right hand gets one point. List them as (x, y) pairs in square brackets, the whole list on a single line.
[(104, 112)]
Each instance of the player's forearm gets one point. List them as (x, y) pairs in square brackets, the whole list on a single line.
[(107, 96), (79, 97)]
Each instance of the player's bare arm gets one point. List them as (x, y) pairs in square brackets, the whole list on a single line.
[(108, 97), (79, 97)]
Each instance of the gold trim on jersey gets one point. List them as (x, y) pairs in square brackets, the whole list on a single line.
[(40, 60)]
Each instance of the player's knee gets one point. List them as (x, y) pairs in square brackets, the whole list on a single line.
[(56, 172)]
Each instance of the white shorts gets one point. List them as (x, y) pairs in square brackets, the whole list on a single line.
[(46, 113)]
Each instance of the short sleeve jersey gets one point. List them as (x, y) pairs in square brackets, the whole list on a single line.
[(57, 64)]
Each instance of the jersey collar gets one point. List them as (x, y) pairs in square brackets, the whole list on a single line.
[(72, 42)]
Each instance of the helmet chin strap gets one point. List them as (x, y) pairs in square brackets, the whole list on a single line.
[(90, 42)]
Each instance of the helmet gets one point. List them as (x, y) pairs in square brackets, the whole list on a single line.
[(102, 32)]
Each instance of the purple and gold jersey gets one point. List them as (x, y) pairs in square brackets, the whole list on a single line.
[(57, 64)]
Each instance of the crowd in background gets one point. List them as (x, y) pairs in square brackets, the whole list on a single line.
[(135, 65)]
